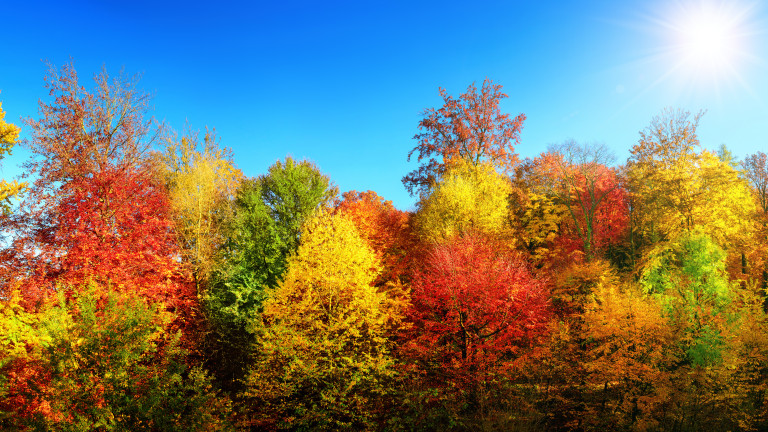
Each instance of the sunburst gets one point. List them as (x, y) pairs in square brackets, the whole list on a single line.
[(709, 41)]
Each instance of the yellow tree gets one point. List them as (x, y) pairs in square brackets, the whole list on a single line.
[(677, 186), (535, 214), (324, 348), (467, 198), (9, 135), (202, 180)]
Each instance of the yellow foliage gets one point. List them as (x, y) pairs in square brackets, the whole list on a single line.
[(677, 188), (17, 331), (202, 182), (325, 327), (467, 198), (540, 224), (9, 135)]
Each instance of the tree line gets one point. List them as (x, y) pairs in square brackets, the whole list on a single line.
[(146, 283)]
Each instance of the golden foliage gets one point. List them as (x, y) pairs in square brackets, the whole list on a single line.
[(202, 180), (9, 135), (467, 198), (324, 340)]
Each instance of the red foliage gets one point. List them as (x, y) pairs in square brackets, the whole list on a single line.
[(115, 227), (470, 127), (602, 202), (473, 309), (94, 211)]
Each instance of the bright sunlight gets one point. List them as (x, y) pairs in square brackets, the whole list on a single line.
[(709, 41)]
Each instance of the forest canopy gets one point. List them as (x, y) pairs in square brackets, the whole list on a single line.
[(147, 283)]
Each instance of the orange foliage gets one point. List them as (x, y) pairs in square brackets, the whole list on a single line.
[(470, 127), (385, 228)]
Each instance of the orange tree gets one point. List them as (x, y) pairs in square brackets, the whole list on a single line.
[(470, 127), (94, 210)]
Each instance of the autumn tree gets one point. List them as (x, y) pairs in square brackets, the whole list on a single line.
[(704, 310), (265, 230), (324, 353), (470, 128), (9, 136), (580, 178), (536, 216), (98, 359), (475, 309), (466, 198), (676, 186), (202, 181), (755, 168), (94, 210), (386, 229)]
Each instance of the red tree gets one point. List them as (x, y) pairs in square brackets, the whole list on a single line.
[(470, 127), (473, 309), (94, 210)]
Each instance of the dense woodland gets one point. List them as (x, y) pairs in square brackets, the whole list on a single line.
[(147, 284)]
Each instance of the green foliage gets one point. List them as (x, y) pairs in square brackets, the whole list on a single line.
[(269, 213), (688, 277), (102, 360), (265, 230)]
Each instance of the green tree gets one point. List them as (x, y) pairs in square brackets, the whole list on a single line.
[(265, 229), (708, 354)]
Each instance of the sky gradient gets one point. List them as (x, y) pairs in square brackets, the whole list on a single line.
[(344, 83)]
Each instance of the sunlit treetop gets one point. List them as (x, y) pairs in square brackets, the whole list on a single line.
[(471, 128)]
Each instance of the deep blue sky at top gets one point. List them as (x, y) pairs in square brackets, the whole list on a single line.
[(344, 83)]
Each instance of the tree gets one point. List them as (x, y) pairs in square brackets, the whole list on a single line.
[(82, 131), (467, 198), (676, 187), (9, 135), (704, 311), (470, 128), (475, 309), (94, 210), (386, 229), (756, 170), (688, 277), (535, 214), (324, 349), (590, 191), (202, 181), (96, 359), (265, 230)]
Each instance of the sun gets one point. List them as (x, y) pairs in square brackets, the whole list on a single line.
[(708, 40)]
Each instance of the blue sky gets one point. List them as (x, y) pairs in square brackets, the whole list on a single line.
[(344, 83)]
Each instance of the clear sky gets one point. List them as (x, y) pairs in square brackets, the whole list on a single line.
[(344, 83)]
